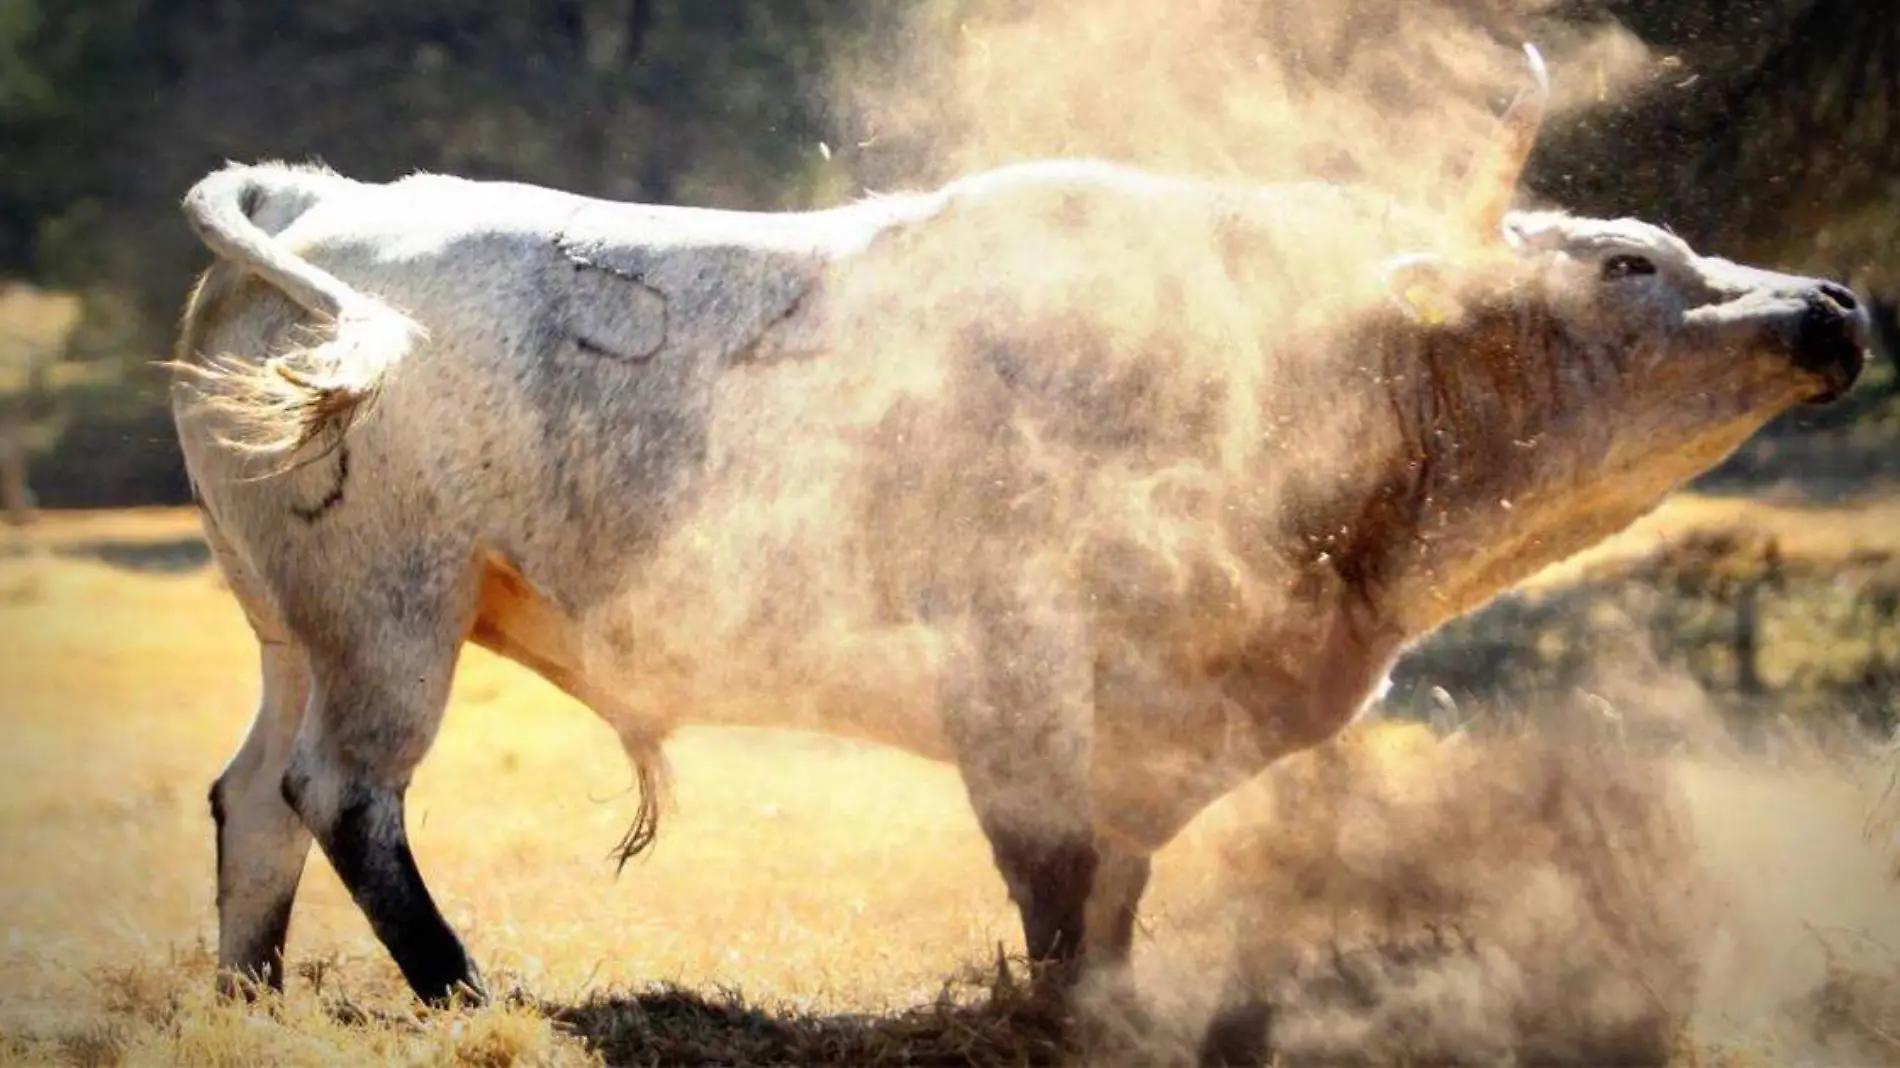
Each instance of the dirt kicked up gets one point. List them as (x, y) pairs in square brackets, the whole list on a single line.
[(1561, 899)]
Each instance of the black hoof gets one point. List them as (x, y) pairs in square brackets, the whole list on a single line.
[(249, 986), (464, 988), (1238, 1036)]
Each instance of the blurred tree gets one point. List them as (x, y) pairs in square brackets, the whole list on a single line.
[(35, 329)]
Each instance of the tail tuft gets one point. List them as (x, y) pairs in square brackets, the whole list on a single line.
[(650, 771), (311, 395)]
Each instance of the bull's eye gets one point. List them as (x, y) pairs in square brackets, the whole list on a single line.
[(1626, 265)]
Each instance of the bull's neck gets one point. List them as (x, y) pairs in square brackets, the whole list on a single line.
[(1463, 487)]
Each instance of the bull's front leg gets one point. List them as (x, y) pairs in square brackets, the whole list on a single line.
[(1017, 710)]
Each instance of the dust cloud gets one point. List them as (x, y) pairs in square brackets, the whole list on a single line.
[(1389, 92), (1557, 895)]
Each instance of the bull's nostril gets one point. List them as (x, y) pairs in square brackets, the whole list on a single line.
[(1840, 295)]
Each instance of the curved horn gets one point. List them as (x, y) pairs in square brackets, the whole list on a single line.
[(1494, 174)]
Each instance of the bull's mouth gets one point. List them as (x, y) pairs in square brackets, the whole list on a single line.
[(1831, 345), (1839, 382), (1838, 373)]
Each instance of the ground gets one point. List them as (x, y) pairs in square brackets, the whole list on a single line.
[(808, 899)]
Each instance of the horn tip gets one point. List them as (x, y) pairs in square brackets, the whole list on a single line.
[(1538, 69)]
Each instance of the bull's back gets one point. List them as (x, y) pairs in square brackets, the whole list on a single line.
[(535, 359), (554, 425)]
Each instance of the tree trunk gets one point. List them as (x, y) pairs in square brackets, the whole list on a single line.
[(16, 498)]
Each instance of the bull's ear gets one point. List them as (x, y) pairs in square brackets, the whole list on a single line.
[(1528, 232), (1421, 286)]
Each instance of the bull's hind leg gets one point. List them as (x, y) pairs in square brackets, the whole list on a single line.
[(377, 699), (261, 844)]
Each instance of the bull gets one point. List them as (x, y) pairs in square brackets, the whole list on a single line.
[(1110, 487)]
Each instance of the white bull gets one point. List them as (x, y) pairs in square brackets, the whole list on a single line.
[(1112, 488)]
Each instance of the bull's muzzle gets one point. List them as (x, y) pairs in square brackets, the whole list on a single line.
[(1831, 340)]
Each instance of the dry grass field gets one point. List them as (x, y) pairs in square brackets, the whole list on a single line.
[(843, 891)]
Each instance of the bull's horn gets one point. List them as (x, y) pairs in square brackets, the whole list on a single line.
[(1494, 174)]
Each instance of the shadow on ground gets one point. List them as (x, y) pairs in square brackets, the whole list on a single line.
[(171, 556), (672, 1025)]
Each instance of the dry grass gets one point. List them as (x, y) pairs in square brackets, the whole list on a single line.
[(1804, 532), (840, 893)]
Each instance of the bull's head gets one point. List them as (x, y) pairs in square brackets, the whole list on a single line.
[(1631, 307), (1626, 287), (1581, 368)]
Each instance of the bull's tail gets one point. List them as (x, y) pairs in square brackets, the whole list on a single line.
[(317, 391), (650, 772)]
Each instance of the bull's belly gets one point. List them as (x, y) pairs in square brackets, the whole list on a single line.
[(883, 692), (897, 720), (1164, 746), (649, 673)]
